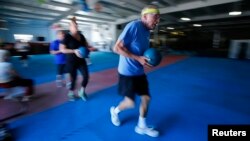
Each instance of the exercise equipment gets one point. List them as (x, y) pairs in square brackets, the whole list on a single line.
[(153, 55), (83, 51)]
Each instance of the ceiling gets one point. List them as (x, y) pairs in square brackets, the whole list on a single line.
[(206, 13)]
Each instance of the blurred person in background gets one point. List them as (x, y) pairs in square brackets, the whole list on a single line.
[(60, 59), (22, 47), (9, 77)]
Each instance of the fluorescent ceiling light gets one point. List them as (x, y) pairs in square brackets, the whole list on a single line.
[(174, 33), (88, 19), (18, 19), (78, 22), (197, 25), (28, 16), (65, 20), (16, 8), (53, 7), (95, 15), (82, 12), (46, 13), (84, 23), (64, 1), (170, 28), (185, 19), (233, 13), (30, 11), (2, 28)]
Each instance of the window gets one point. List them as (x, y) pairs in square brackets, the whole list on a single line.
[(23, 37)]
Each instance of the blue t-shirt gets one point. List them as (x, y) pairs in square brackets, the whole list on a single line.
[(60, 58), (135, 38)]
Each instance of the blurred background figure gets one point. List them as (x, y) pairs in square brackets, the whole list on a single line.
[(22, 47), (60, 58), (9, 77)]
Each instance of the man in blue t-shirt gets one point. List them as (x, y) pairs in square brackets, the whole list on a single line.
[(60, 58), (131, 45)]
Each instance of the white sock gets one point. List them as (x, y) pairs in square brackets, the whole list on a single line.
[(142, 122), (71, 92), (117, 110), (59, 78)]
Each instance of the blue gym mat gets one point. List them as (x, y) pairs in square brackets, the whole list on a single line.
[(42, 68), (186, 97)]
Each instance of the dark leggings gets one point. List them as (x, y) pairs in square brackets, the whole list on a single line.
[(24, 55), (73, 66), (61, 69), (18, 81)]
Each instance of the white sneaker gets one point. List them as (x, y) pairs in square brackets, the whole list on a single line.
[(59, 83), (89, 63), (147, 131), (8, 97), (25, 99), (68, 85), (71, 96), (114, 117), (82, 94)]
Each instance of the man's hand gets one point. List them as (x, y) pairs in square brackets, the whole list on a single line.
[(144, 61)]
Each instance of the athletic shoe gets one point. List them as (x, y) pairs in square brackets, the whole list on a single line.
[(8, 97), (71, 96), (68, 85), (59, 83), (25, 99), (147, 131), (82, 94), (114, 117)]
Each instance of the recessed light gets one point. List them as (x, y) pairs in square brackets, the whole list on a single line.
[(170, 28), (197, 25), (233, 13), (185, 19), (64, 1)]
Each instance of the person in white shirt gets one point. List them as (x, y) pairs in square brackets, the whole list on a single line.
[(23, 49), (9, 77)]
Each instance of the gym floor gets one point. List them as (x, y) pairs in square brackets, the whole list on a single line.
[(188, 94)]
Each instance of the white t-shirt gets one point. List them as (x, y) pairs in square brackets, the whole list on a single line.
[(3, 53), (5, 72)]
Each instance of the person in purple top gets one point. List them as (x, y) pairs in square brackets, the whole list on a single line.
[(60, 58)]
